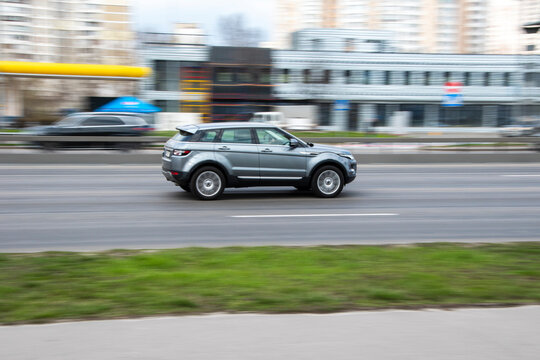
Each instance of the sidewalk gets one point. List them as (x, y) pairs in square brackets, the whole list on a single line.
[(502, 333)]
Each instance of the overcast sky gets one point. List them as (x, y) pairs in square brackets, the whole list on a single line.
[(159, 15)]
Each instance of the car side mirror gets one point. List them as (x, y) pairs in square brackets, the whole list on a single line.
[(293, 143)]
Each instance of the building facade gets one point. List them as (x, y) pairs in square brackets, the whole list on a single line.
[(529, 22), (354, 82), (66, 31), (428, 26), (494, 88)]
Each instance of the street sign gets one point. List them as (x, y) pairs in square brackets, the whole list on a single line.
[(452, 94), (341, 105), (450, 100)]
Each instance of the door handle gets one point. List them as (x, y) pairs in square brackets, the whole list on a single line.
[(267, 150), (224, 148)]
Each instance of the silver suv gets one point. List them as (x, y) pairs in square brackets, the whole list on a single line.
[(205, 159)]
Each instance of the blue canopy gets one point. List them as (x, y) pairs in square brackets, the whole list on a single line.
[(128, 104)]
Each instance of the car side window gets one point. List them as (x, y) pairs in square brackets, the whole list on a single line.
[(102, 121), (209, 136), (242, 136), (271, 137)]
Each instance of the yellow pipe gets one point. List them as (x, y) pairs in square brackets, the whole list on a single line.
[(35, 68)]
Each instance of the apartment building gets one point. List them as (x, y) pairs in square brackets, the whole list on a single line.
[(529, 22), (428, 26), (67, 31)]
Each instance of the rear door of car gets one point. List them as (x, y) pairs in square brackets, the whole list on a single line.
[(236, 150)]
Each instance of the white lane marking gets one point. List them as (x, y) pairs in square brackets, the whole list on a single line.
[(522, 175), (310, 215)]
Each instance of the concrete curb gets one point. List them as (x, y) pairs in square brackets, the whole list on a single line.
[(139, 158)]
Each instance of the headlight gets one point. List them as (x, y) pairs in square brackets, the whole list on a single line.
[(348, 156)]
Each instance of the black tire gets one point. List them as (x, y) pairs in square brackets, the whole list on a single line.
[(324, 182), (207, 183), (185, 188), (49, 145), (124, 147)]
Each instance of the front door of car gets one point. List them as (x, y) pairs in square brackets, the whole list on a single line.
[(278, 160), (237, 151)]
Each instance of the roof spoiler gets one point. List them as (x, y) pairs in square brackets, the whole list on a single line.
[(192, 129)]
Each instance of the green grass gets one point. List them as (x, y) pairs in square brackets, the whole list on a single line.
[(10, 130), (51, 286)]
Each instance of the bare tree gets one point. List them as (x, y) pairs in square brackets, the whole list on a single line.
[(234, 32)]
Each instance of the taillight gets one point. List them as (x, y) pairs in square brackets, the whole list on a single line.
[(181, 152)]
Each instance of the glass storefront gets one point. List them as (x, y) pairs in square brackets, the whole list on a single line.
[(468, 115)]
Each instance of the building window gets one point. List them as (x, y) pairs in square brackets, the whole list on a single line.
[(380, 119), (245, 77), (285, 76), (347, 74), (326, 77), (468, 115), (427, 78), (506, 79), (417, 112), (264, 76), (224, 75), (467, 79), (168, 105), (530, 47), (325, 113), (407, 78), (349, 45), (446, 76), (486, 79), (504, 115), (167, 75), (366, 79), (387, 78), (306, 76)]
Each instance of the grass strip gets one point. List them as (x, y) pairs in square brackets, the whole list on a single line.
[(52, 286)]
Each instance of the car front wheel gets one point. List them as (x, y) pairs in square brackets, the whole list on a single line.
[(207, 183), (327, 182)]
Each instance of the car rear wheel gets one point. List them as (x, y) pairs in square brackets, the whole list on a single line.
[(327, 182), (207, 183)]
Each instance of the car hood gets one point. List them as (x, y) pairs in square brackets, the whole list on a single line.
[(330, 149)]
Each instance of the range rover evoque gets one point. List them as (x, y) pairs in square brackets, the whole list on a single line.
[(207, 158)]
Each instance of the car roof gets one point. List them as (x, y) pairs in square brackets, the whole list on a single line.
[(222, 125)]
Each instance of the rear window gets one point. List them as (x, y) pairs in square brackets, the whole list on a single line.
[(208, 136), (183, 136)]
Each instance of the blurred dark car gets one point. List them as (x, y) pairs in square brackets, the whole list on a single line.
[(94, 124)]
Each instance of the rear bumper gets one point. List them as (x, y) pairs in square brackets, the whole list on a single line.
[(180, 178)]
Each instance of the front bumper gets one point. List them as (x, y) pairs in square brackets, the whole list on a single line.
[(351, 172)]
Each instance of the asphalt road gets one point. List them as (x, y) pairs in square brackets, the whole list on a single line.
[(68, 207)]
